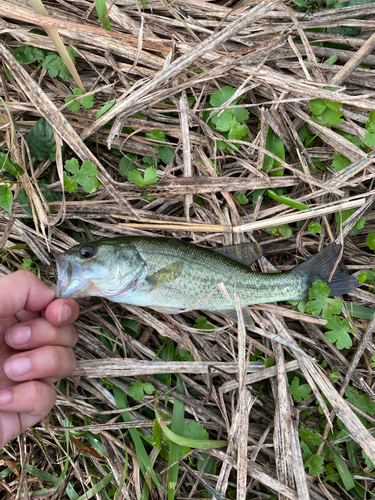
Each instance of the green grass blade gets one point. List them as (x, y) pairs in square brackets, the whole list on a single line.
[(278, 150), (203, 444), (95, 489), (142, 455), (344, 473), (101, 10), (287, 201), (175, 448), (268, 161), (360, 312), (177, 426)]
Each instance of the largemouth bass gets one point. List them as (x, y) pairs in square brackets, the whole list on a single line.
[(170, 275)]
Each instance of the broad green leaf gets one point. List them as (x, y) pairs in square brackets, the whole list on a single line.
[(339, 332), (135, 176), (84, 176), (127, 165), (198, 200), (241, 114), (319, 302), (340, 161), (28, 54), (148, 161), (370, 242), (314, 227), (49, 196), (283, 229), (334, 377), (344, 215), (165, 154), (155, 135), (299, 391), (184, 355), (333, 105), (306, 452), (329, 117), (72, 166), (315, 464), (345, 30), (225, 122), (237, 131), (6, 198), (70, 183), (150, 177), (370, 139), (201, 324), (360, 401), (88, 101), (317, 106), (138, 389), (300, 304), (219, 97), (311, 438), (41, 141), (55, 66), (74, 106), (240, 198), (8, 165)]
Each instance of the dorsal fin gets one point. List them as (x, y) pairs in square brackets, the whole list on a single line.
[(246, 253), (232, 314)]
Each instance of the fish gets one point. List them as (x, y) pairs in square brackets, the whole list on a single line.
[(170, 275)]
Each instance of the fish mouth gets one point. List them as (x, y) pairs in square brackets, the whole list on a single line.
[(70, 283)]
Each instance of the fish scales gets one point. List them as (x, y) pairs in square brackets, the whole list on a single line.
[(202, 272), (171, 275)]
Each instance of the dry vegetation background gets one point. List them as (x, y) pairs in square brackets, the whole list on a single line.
[(158, 66)]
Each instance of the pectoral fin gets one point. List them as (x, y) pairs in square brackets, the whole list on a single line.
[(165, 275), (246, 253), (232, 314)]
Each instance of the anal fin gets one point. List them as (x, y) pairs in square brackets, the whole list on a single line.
[(232, 314)]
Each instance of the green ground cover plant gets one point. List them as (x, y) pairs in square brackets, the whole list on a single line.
[(190, 125)]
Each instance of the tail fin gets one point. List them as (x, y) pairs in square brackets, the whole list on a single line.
[(319, 267)]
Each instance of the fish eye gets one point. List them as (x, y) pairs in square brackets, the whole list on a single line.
[(87, 251)]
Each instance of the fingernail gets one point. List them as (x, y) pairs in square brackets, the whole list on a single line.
[(5, 397), (17, 367), (64, 313), (17, 335)]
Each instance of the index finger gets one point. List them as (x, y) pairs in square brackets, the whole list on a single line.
[(23, 290)]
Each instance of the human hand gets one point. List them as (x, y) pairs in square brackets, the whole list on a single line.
[(42, 328)]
